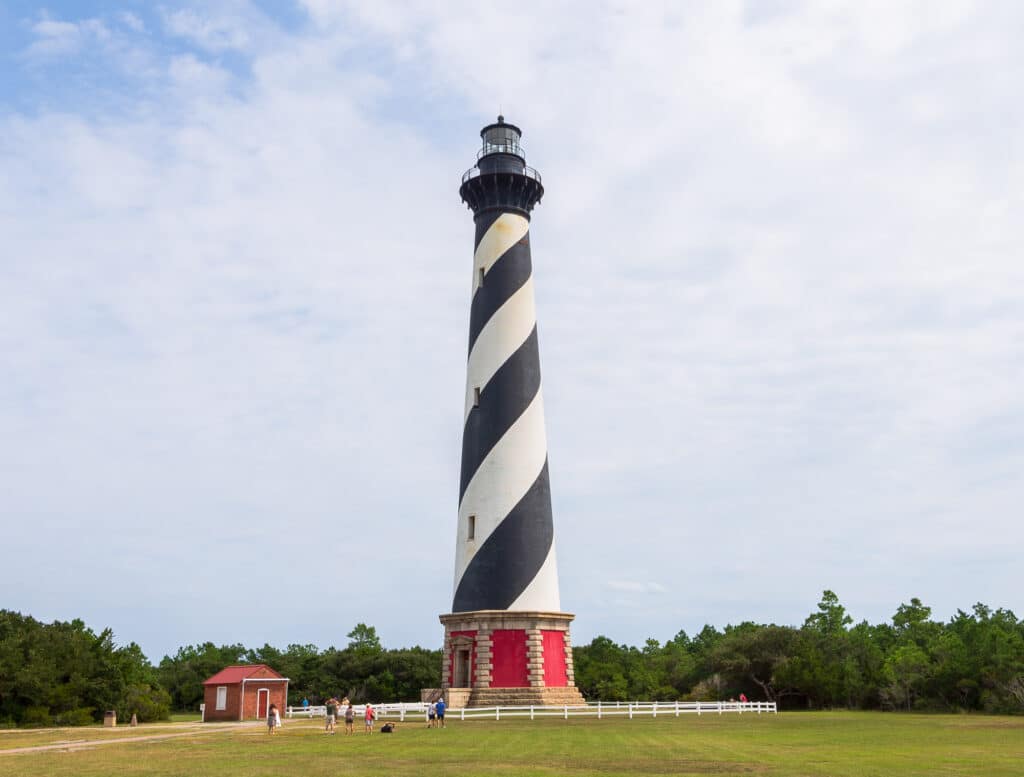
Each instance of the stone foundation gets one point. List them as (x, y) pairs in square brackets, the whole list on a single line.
[(502, 658)]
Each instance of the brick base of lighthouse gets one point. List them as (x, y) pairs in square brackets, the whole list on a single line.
[(501, 658)]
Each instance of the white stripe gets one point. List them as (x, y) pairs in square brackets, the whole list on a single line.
[(503, 478), (501, 336), (542, 592), (507, 230)]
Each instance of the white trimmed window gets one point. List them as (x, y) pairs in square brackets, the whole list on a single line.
[(471, 528), (222, 697)]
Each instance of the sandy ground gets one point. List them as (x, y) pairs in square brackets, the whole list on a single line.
[(184, 730)]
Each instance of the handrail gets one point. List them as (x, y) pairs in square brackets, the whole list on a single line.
[(528, 171)]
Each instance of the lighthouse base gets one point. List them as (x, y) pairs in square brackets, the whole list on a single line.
[(503, 658)]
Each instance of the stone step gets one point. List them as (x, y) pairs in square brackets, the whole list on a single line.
[(525, 697)]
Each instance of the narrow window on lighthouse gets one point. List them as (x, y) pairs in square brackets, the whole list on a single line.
[(471, 527), (476, 396), (482, 272)]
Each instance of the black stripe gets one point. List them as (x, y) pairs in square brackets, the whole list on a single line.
[(484, 221), (512, 555), (507, 394), (505, 278)]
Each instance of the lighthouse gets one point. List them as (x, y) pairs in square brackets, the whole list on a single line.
[(506, 639)]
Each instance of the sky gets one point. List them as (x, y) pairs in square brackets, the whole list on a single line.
[(779, 299)]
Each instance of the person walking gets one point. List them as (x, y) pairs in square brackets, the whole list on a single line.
[(368, 717), (332, 712), (440, 707), (432, 715), (350, 718), (273, 721)]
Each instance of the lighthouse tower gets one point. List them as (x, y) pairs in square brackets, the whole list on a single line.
[(506, 639)]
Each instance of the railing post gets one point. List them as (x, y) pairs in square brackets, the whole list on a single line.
[(677, 708), (698, 709), (462, 714), (566, 709), (497, 713), (599, 710), (654, 710), (719, 708), (531, 712), (631, 710)]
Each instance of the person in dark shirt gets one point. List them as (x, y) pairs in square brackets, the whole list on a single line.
[(332, 714)]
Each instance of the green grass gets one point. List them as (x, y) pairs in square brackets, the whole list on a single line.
[(832, 744), (185, 717)]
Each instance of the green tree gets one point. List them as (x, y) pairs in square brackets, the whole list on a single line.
[(906, 668), (182, 675), (364, 638), (754, 656)]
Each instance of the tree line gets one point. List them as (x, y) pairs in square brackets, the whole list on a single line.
[(973, 662), (66, 674), (363, 670)]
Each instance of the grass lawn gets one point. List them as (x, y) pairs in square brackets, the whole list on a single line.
[(833, 744)]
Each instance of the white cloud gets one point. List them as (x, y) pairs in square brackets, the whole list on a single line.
[(55, 38), (777, 274), (636, 587), (132, 21), (212, 32)]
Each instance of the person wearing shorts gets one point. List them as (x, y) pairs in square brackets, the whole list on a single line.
[(432, 715), (350, 717), (440, 712), (332, 711), (368, 717)]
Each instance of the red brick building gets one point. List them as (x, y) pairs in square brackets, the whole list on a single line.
[(244, 693)]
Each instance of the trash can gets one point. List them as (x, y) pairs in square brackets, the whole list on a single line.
[(110, 718)]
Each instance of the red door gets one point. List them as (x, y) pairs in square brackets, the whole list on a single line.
[(262, 702)]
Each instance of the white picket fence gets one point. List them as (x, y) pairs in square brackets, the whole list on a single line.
[(398, 710), (630, 709)]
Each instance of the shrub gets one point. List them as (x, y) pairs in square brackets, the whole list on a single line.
[(81, 716), (36, 716), (147, 703)]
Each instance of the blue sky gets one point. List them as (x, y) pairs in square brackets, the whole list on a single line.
[(778, 273)]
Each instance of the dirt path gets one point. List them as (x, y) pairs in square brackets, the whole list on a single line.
[(83, 744)]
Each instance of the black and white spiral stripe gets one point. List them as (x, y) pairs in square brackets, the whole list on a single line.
[(509, 563)]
